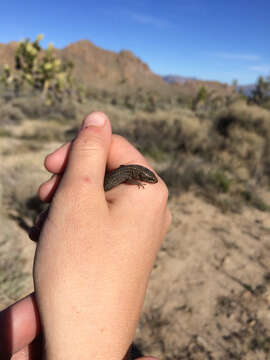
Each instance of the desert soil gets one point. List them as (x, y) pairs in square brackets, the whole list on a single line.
[(209, 293)]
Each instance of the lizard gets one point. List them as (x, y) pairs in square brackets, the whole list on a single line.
[(131, 174)]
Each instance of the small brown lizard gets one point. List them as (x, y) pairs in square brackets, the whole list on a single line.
[(131, 174)]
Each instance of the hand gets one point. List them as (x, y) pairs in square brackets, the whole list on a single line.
[(96, 250)]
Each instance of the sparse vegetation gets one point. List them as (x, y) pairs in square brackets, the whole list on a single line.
[(226, 151), (46, 74), (200, 97), (261, 94), (12, 276)]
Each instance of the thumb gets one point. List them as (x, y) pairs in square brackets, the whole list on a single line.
[(88, 154)]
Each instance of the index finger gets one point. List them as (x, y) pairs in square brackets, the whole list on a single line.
[(123, 152)]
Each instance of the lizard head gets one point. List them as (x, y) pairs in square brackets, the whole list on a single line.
[(148, 176)]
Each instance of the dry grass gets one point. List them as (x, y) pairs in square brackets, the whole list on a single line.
[(223, 157), (12, 276), (15, 267), (10, 115), (33, 107)]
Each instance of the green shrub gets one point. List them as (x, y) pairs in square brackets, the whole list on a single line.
[(220, 180)]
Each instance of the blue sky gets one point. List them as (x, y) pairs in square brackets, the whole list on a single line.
[(208, 39)]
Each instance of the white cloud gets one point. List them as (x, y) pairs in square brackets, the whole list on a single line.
[(260, 68), (235, 56), (150, 20)]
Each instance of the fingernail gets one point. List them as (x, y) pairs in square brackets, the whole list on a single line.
[(94, 119)]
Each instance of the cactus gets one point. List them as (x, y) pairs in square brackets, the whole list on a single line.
[(46, 74), (6, 78)]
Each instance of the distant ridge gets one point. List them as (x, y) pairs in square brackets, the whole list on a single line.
[(246, 89), (96, 66), (119, 72), (178, 79)]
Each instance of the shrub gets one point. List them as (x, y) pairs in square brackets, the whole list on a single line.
[(10, 115), (34, 107)]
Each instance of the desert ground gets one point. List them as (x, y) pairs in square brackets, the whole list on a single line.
[(209, 292)]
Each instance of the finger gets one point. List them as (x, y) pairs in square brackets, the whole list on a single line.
[(19, 325), (56, 161), (32, 351), (22, 354), (88, 157), (48, 188), (123, 152)]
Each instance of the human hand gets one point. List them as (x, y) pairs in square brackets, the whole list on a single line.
[(103, 274)]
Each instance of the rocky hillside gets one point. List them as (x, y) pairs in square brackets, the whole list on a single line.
[(104, 69)]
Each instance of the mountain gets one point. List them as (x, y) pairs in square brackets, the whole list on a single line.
[(121, 72), (100, 68), (7, 52), (177, 79), (246, 89), (96, 65)]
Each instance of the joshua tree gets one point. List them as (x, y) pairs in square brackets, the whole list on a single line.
[(46, 74)]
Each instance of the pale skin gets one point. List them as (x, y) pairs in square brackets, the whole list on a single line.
[(94, 255)]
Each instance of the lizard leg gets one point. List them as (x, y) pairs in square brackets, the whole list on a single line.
[(135, 182)]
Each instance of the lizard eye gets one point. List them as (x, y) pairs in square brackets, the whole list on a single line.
[(149, 176)]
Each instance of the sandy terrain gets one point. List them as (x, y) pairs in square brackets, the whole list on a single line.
[(209, 294)]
